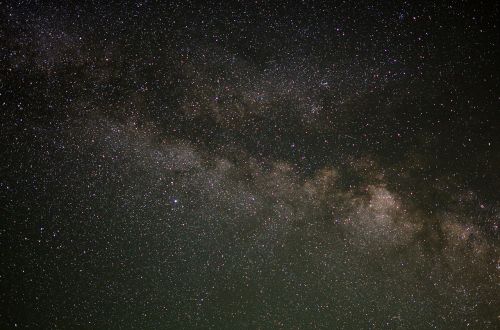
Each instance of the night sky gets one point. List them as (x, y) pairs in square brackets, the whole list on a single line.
[(251, 164)]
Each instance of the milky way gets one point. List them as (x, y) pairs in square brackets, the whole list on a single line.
[(301, 165)]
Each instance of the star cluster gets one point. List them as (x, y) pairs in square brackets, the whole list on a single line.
[(250, 164)]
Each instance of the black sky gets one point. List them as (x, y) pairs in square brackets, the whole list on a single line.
[(250, 164)]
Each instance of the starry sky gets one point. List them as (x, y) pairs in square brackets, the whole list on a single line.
[(250, 164)]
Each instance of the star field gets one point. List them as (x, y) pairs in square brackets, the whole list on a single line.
[(293, 165)]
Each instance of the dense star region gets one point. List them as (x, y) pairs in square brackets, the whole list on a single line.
[(250, 164)]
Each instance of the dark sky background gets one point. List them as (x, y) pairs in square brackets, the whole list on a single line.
[(250, 164)]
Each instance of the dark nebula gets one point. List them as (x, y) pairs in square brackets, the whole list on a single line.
[(251, 164)]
